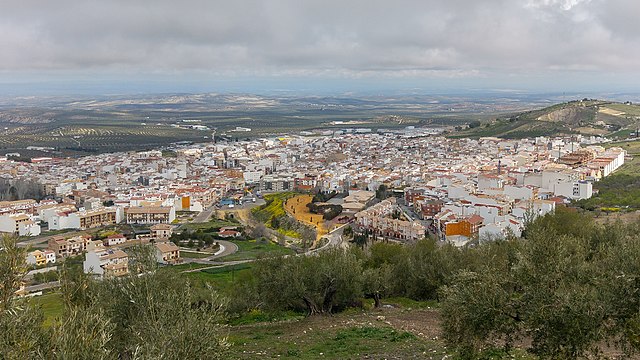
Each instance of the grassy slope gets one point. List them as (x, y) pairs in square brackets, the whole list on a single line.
[(252, 249), (275, 208), (558, 119), (51, 305)]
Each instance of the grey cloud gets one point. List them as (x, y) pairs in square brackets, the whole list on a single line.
[(346, 37)]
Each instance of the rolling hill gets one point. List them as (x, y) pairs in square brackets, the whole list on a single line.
[(586, 117)]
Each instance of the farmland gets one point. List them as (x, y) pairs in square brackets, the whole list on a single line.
[(74, 127)]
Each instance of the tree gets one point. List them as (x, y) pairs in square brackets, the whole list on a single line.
[(377, 283), (474, 124), (381, 192), (318, 284), (150, 313), (21, 332)]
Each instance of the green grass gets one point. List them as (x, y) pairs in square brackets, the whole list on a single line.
[(252, 249), (222, 278), (274, 206), (51, 305), (258, 316), (193, 255), (210, 226), (293, 341), (183, 267)]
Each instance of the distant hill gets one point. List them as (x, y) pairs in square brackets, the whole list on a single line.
[(587, 117)]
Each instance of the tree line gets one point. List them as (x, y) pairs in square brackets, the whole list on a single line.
[(564, 291)]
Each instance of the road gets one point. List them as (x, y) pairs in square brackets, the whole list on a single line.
[(229, 248), (204, 215)]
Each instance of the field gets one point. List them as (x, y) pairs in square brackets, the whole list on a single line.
[(73, 127), (254, 249), (210, 225), (51, 305), (390, 333), (222, 278), (193, 254), (633, 149), (591, 117)]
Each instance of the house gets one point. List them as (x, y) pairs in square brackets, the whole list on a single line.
[(69, 247), (467, 227), (20, 224), (36, 258), (39, 257), (106, 263), (115, 239), (167, 253), (229, 232), (161, 231)]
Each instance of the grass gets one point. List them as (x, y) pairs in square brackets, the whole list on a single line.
[(51, 305), (183, 267), (211, 225), (307, 339), (274, 206), (193, 255), (633, 148), (222, 278), (254, 249), (256, 316)]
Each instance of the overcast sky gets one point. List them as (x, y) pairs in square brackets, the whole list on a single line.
[(547, 44)]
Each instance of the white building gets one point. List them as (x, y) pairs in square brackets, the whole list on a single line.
[(20, 224)]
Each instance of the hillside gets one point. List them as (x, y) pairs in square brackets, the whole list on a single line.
[(586, 117)]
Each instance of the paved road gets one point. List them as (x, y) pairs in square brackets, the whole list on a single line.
[(229, 248), (204, 215)]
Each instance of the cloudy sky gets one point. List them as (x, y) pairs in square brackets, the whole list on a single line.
[(271, 44)]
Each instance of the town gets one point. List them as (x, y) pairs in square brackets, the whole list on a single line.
[(394, 186)]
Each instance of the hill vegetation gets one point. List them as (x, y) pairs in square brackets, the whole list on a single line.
[(587, 117)]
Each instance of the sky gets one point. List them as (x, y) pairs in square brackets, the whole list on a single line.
[(328, 45)]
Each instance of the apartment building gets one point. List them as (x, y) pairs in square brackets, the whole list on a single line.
[(381, 221), (150, 215), (85, 219)]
